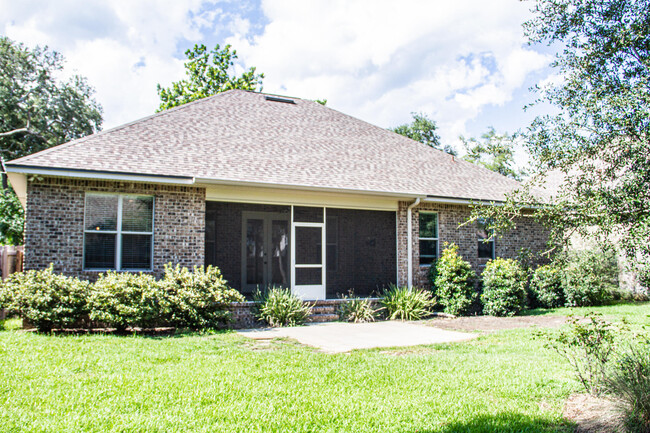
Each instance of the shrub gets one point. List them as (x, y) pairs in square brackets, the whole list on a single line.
[(45, 299), (356, 310), (454, 282), (504, 288), (629, 379), (121, 300), (590, 278), (407, 304), (198, 299), (277, 306), (547, 288)]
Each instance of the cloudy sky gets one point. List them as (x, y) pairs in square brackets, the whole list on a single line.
[(463, 63)]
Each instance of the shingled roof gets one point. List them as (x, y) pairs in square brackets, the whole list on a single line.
[(241, 137)]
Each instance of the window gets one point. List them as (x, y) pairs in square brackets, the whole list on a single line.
[(485, 247), (428, 238), (118, 232)]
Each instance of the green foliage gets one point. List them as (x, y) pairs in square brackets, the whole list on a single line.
[(588, 345), (402, 303), (504, 291), (356, 310), (198, 299), (123, 299), (12, 218), (628, 378), (45, 299), (277, 306), (596, 143), (454, 282), (37, 110), (495, 152), (547, 288), (591, 277), (423, 129), (208, 73)]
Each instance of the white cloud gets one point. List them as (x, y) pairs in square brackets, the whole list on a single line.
[(378, 60)]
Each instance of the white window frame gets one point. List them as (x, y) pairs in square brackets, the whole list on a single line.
[(437, 239), (119, 232)]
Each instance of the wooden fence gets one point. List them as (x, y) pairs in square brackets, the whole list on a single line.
[(11, 260)]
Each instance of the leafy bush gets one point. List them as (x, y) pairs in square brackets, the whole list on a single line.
[(629, 379), (407, 304), (588, 345), (356, 310), (547, 288), (45, 299), (279, 307), (590, 278), (504, 288), (198, 299), (121, 300), (454, 282)]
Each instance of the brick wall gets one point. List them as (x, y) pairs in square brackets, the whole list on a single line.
[(528, 234), (55, 218)]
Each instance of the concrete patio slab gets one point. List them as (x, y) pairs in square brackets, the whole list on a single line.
[(337, 337)]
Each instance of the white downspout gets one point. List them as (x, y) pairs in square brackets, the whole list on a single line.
[(409, 240)]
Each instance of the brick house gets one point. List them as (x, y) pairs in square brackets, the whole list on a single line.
[(273, 190)]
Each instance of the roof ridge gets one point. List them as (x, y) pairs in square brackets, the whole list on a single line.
[(26, 158)]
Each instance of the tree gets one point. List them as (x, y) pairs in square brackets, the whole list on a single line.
[(37, 110), (12, 219), (495, 152), (208, 73), (599, 140), (423, 129)]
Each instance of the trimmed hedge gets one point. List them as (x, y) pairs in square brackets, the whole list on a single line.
[(591, 278), (547, 287), (45, 299), (453, 282), (504, 288)]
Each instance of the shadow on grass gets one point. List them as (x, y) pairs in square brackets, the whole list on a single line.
[(505, 423)]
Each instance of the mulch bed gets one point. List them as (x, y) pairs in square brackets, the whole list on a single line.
[(493, 324)]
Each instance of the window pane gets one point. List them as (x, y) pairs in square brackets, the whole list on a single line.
[(101, 212), (99, 251), (428, 225), (428, 251), (306, 276), (304, 214), (136, 251), (308, 245), (137, 213), (485, 249)]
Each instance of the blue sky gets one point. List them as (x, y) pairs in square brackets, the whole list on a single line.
[(464, 64)]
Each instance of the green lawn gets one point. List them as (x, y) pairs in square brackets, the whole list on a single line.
[(503, 382)]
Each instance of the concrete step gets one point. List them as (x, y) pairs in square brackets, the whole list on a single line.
[(320, 318)]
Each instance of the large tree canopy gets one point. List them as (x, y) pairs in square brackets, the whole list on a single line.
[(423, 129), (37, 110), (208, 73), (494, 152), (599, 141)]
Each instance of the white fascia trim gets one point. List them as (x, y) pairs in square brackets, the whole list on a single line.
[(208, 181), (101, 175), (464, 201)]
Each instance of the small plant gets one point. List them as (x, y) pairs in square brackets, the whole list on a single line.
[(277, 306), (198, 299), (45, 299), (402, 303), (629, 379), (124, 299), (356, 310), (504, 291), (546, 286), (588, 345), (590, 278), (454, 282)]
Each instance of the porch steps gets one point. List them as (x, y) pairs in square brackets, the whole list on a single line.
[(323, 311), (321, 318)]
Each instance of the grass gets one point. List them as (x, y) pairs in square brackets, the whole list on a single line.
[(502, 382)]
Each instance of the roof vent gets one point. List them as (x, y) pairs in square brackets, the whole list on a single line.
[(276, 99)]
